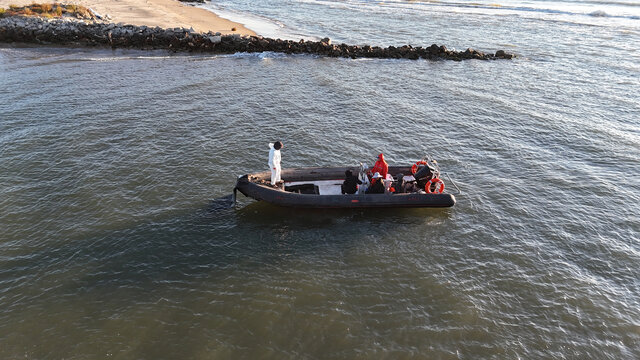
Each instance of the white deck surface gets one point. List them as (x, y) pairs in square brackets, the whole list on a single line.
[(325, 187)]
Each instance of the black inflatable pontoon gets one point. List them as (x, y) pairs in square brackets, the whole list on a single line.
[(316, 188)]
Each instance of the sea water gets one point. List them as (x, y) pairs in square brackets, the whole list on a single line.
[(111, 247)]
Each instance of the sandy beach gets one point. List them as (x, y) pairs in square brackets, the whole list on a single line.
[(162, 13)]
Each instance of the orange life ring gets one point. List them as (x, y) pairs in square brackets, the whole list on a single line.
[(414, 167), (438, 190)]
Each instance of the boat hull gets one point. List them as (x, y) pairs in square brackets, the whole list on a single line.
[(253, 186)]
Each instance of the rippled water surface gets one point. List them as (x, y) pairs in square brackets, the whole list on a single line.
[(111, 248)]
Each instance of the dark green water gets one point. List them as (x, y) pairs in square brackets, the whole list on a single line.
[(110, 247)]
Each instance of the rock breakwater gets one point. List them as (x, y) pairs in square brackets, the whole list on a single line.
[(97, 33)]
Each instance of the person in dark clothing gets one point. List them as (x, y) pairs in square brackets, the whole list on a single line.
[(376, 187), (350, 184), (399, 185)]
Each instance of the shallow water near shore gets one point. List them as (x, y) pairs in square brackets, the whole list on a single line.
[(109, 161)]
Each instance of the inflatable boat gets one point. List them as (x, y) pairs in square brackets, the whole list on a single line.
[(321, 188)]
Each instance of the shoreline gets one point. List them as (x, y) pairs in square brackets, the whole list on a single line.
[(161, 13)]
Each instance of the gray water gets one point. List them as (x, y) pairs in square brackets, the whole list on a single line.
[(111, 247)]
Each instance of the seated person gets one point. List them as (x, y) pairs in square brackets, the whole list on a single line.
[(350, 184), (409, 184), (399, 184), (376, 187), (411, 187)]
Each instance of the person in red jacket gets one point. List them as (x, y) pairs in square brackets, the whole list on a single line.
[(381, 167)]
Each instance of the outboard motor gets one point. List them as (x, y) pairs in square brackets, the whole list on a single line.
[(425, 172)]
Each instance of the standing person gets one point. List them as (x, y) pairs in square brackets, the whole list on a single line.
[(381, 167), (274, 161)]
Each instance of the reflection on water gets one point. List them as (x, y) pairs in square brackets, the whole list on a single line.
[(264, 214)]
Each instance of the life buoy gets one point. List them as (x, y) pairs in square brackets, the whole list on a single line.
[(414, 167), (439, 186)]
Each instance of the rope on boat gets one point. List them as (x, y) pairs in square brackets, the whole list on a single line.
[(454, 184)]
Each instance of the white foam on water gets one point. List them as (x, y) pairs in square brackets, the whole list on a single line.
[(599, 13), (262, 25), (629, 10)]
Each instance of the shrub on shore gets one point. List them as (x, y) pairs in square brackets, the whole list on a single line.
[(48, 11)]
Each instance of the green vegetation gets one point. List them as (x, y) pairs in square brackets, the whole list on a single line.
[(41, 8)]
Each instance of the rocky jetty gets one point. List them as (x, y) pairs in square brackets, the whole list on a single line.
[(75, 32)]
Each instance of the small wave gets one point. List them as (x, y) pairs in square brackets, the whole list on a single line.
[(259, 23), (620, 9), (260, 55), (599, 13)]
